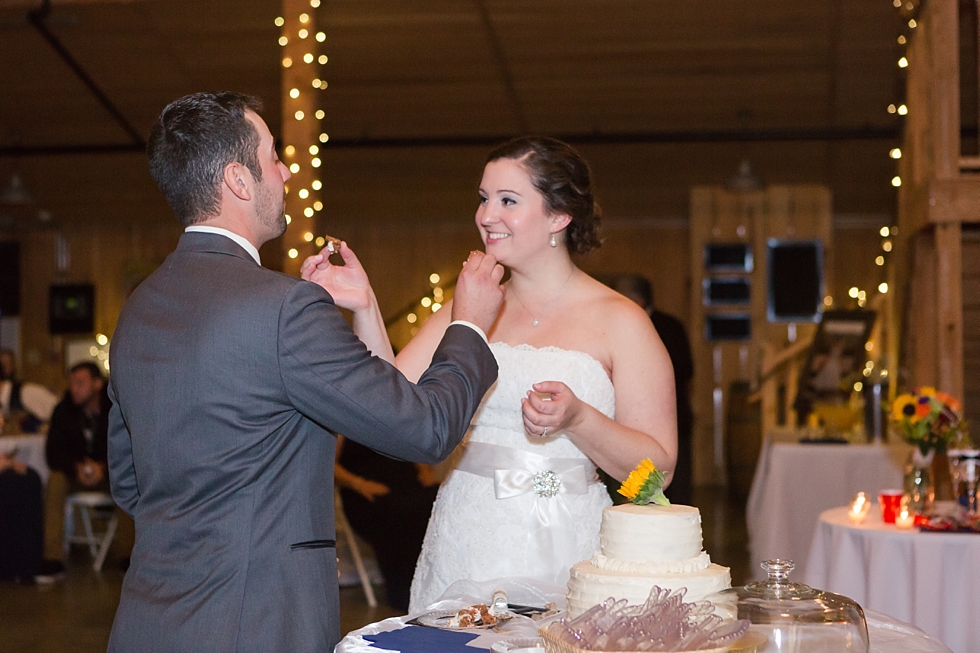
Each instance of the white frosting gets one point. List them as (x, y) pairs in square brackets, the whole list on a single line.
[(697, 563), (650, 533), (590, 585), (643, 546)]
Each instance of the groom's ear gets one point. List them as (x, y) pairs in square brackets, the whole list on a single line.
[(238, 180)]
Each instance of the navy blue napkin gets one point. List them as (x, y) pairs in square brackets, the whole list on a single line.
[(420, 639)]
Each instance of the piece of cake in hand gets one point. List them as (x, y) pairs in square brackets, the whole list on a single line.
[(333, 244)]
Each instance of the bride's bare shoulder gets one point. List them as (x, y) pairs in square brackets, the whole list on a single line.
[(614, 309)]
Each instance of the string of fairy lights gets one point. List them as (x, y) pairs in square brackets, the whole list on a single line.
[(301, 129), (427, 305), (909, 11), (303, 138)]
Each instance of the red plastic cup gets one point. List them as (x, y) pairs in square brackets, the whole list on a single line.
[(890, 502)]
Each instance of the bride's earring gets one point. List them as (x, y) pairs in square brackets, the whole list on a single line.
[(554, 243)]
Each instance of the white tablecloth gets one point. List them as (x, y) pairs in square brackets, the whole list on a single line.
[(931, 580), (886, 635), (794, 483), (30, 450), (522, 591)]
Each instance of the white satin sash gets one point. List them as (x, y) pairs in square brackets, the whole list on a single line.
[(551, 541)]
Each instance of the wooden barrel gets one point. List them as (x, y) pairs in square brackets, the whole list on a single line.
[(743, 439)]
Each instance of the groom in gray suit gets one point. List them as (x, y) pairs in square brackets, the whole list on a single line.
[(229, 384)]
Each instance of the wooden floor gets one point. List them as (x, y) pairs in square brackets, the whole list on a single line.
[(75, 615)]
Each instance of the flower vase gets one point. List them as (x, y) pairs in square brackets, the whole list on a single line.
[(919, 481)]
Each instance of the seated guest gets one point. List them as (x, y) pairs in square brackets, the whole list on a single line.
[(20, 521), (387, 502), (25, 405), (76, 452)]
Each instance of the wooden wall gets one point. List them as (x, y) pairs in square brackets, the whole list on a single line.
[(940, 195), (971, 324), (722, 216), (112, 257)]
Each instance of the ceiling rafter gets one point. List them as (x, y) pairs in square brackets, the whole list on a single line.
[(37, 18)]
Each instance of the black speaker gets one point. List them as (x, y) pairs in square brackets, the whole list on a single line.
[(71, 309), (795, 280), (9, 278)]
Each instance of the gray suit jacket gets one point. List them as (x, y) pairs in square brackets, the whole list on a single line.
[(228, 383)]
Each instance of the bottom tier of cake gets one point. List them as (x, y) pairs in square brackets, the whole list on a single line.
[(590, 585)]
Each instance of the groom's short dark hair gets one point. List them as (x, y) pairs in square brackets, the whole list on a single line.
[(192, 141)]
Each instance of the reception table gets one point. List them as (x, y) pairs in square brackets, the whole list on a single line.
[(795, 482), (30, 451), (928, 579), (886, 634)]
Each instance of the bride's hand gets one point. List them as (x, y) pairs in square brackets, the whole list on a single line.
[(348, 284), (544, 416)]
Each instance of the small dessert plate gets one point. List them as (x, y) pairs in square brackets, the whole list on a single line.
[(443, 619)]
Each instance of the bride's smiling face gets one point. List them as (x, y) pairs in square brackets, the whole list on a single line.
[(512, 217)]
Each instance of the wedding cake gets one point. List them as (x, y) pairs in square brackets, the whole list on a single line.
[(642, 546)]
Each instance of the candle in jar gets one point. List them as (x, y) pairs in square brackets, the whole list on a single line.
[(904, 519), (859, 508)]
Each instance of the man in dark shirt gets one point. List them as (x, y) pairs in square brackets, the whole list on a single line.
[(76, 452), (77, 436)]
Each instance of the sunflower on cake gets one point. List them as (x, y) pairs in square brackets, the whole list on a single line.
[(644, 543)]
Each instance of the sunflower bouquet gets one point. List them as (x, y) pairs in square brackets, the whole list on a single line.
[(928, 419), (645, 484)]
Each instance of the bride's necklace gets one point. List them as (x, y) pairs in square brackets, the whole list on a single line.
[(534, 320)]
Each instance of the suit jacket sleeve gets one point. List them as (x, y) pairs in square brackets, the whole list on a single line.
[(331, 378), (122, 473)]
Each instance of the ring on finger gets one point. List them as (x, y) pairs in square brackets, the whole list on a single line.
[(544, 432)]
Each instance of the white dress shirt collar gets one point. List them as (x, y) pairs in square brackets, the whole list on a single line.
[(247, 246)]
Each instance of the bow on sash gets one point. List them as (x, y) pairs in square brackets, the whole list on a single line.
[(551, 542)]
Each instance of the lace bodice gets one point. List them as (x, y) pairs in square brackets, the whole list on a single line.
[(473, 534)]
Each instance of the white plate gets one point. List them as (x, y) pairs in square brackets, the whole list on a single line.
[(441, 619), (519, 645)]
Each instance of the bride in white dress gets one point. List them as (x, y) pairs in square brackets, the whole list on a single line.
[(584, 380)]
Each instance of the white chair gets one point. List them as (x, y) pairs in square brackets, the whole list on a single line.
[(91, 505), (343, 526)]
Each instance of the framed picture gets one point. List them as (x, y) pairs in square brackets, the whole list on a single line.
[(726, 291), (795, 280), (727, 327), (728, 257)]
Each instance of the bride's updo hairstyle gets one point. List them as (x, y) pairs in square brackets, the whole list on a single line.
[(563, 178)]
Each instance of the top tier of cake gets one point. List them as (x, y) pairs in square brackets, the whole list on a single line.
[(650, 533)]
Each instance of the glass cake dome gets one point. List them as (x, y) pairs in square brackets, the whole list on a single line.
[(788, 617)]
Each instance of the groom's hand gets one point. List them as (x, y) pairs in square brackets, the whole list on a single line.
[(348, 284), (478, 294)]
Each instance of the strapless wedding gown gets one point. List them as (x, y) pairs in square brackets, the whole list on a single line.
[(517, 505)]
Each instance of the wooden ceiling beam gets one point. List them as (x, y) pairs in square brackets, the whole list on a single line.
[(503, 66), (37, 18)]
